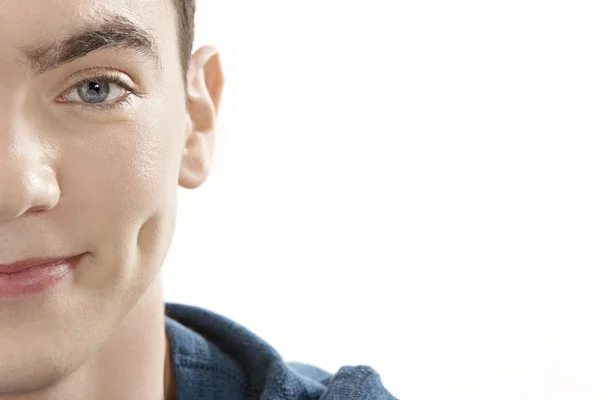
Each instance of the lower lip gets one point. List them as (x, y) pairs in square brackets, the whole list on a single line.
[(36, 279)]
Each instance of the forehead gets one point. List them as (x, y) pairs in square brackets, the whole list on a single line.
[(31, 23)]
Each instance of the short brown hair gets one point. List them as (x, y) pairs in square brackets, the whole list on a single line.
[(184, 10)]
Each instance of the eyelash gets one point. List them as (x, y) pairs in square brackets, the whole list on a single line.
[(115, 104)]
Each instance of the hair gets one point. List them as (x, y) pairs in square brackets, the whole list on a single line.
[(184, 10)]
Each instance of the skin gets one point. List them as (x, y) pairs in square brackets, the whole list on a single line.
[(102, 183)]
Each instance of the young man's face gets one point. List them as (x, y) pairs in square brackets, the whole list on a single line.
[(82, 173)]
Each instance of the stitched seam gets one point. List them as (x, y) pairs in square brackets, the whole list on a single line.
[(193, 364)]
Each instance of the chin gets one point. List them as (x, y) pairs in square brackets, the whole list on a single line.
[(25, 373)]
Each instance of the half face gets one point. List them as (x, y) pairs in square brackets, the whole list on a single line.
[(91, 144)]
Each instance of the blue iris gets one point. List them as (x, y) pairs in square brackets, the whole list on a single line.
[(94, 91)]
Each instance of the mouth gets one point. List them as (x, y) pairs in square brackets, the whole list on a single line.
[(32, 276), (19, 266)]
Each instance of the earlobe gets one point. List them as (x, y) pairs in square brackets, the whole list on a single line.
[(205, 84)]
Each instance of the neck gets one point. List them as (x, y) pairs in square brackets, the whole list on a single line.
[(134, 363), (169, 375)]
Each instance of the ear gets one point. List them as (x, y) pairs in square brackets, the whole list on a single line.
[(205, 84)]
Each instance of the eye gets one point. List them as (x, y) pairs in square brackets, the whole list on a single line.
[(93, 91)]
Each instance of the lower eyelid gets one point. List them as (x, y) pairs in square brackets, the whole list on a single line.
[(99, 109)]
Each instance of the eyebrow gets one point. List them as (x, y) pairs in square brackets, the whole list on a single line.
[(114, 31)]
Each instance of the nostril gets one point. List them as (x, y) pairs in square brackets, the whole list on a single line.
[(33, 210)]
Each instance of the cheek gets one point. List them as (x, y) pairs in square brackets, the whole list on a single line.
[(116, 177), (119, 187), (128, 164)]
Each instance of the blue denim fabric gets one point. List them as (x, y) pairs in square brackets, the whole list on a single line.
[(216, 358)]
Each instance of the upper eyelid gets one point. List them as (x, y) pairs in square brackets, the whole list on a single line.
[(88, 73), (110, 79), (110, 74)]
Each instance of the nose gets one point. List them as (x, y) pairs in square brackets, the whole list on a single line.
[(27, 181)]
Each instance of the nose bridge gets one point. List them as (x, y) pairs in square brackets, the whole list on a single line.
[(27, 179)]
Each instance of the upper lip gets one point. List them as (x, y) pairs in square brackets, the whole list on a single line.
[(31, 262)]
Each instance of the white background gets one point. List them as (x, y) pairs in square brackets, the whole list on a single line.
[(407, 185)]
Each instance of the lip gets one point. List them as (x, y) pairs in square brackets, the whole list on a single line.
[(30, 263), (35, 275)]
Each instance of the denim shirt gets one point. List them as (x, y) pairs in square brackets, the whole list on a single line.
[(218, 359)]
